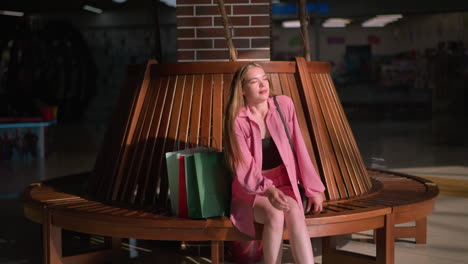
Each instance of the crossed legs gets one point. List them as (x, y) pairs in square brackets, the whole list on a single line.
[(274, 221)]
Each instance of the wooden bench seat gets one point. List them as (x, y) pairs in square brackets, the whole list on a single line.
[(394, 200), (176, 105)]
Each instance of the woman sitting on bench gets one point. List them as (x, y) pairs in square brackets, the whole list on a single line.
[(265, 151)]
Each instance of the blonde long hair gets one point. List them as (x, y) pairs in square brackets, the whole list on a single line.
[(236, 101)]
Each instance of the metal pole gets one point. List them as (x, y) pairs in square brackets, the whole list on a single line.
[(227, 31), (157, 32), (317, 25), (304, 18)]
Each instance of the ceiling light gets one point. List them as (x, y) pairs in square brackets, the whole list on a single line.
[(92, 9), (119, 1), (336, 22), (11, 13), (390, 17), (381, 20), (374, 22), (291, 24)]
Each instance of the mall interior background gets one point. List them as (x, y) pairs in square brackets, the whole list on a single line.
[(403, 86)]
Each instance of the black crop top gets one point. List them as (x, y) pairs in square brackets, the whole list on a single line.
[(271, 157)]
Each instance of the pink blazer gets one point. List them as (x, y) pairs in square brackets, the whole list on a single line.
[(248, 179)]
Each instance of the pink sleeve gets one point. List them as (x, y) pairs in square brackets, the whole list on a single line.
[(248, 173), (307, 173)]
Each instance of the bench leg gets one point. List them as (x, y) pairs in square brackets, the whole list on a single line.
[(421, 231), (385, 248), (331, 255), (51, 240), (418, 231), (385, 245), (217, 252), (328, 248), (52, 247), (116, 250)]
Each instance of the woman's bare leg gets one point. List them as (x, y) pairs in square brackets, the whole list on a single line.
[(273, 225), (298, 235)]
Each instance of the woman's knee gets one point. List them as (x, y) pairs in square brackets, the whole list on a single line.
[(275, 219), (295, 210), (266, 214)]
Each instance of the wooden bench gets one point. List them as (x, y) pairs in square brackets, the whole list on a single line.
[(177, 104)]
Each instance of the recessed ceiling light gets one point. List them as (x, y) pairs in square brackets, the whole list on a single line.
[(92, 9), (291, 24), (391, 17), (381, 20), (336, 22), (11, 13), (119, 1)]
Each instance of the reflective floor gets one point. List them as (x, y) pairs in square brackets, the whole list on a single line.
[(408, 146)]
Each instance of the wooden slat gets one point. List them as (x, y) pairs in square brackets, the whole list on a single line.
[(284, 83), (182, 138), (139, 144), (140, 174), (101, 184), (355, 176), (329, 153), (116, 131), (206, 111), (227, 79), (171, 137), (175, 118), (157, 133), (328, 168), (334, 134), (126, 145), (352, 171), (301, 118), (102, 209), (318, 67), (275, 83), (145, 177), (356, 155), (304, 90), (84, 206), (195, 120), (217, 123), (341, 151), (160, 168)]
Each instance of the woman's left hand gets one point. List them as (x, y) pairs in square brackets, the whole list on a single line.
[(316, 201)]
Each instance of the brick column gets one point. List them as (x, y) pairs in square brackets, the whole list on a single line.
[(200, 32)]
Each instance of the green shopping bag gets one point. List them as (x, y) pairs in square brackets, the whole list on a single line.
[(193, 196), (213, 184)]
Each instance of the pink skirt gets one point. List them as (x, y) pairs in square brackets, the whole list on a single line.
[(280, 179)]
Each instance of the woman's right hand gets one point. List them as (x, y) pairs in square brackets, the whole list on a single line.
[(277, 198)]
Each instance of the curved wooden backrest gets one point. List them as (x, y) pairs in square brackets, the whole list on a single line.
[(341, 163), (182, 104)]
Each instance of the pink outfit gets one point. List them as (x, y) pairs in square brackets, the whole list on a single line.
[(249, 180), (280, 179)]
